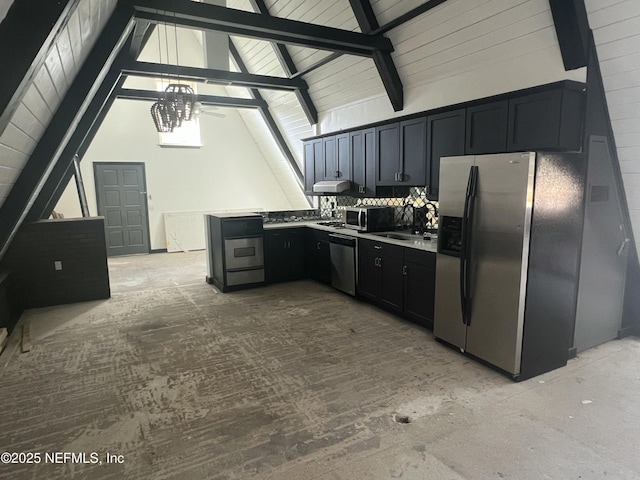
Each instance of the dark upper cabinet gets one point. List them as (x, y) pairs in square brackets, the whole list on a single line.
[(326, 158), (445, 137), (413, 152), (387, 154), (486, 130), (401, 153), (407, 153), (362, 146), (284, 252), (336, 157), (329, 158), (313, 164), (550, 120), (343, 157), (318, 259)]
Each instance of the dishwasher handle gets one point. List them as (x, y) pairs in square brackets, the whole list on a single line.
[(342, 239)]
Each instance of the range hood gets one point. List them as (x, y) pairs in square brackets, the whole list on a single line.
[(331, 186)]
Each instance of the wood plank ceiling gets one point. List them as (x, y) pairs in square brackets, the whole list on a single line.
[(49, 86), (457, 40)]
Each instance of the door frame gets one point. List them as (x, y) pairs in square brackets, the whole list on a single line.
[(144, 184)]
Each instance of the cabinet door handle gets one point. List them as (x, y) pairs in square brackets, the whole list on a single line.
[(318, 246), (375, 261), (380, 262), (377, 247), (404, 270)]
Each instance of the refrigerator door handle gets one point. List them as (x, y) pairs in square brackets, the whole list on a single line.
[(472, 189), (467, 218)]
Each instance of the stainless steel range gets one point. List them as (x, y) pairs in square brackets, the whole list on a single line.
[(235, 251)]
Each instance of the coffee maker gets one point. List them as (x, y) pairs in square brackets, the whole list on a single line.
[(425, 219)]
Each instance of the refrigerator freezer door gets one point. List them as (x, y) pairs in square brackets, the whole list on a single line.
[(499, 258), (447, 324)]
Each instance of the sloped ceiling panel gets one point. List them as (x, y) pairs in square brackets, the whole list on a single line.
[(438, 55), (616, 30), (50, 85)]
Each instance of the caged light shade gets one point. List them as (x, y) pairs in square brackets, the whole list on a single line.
[(175, 105)]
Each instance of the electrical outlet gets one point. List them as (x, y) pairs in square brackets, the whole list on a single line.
[(57, 265)]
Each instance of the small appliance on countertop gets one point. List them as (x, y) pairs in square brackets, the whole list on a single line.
[(369, 219), (425, 219)]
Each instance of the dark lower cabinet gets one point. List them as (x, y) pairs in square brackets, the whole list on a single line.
[(369, 273), (391, 291), (380, 273), (399, 279), (284, 252), (419, 286), (318, 259)]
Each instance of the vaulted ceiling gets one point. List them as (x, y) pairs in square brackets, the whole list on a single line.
[(296, 64)]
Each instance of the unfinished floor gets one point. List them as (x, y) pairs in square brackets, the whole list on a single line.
[(294, 382)]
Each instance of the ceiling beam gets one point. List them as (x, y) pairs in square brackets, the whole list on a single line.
[(214, 100), (208, 75), (280, 30), (384, 63), (320, 63), (410, 15), (26, 37), (141, 34), (572, 30), (289, 66), (82, 136), (268, 118), (70, 111)]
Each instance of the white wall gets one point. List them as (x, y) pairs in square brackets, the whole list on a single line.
[(227, 173), (616, 30), (459, 51), (4, 8)]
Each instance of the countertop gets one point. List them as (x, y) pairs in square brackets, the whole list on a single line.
[(418, 242)]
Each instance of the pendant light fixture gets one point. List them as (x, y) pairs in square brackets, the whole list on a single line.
[(176, 103)]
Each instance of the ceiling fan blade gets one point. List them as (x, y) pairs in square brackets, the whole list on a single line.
[(213, 114)]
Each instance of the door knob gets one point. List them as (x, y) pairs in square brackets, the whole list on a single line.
[(622, 246)]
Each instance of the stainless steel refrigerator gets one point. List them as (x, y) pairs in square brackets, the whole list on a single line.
[(507, 261)]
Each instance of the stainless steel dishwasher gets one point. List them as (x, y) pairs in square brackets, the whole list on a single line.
[(343, 262)]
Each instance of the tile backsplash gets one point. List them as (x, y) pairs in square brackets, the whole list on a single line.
[(333, 206)]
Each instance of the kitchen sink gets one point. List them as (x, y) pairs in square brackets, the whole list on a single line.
[(398, 236)]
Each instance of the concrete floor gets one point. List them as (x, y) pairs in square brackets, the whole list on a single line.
[(294, 381)]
